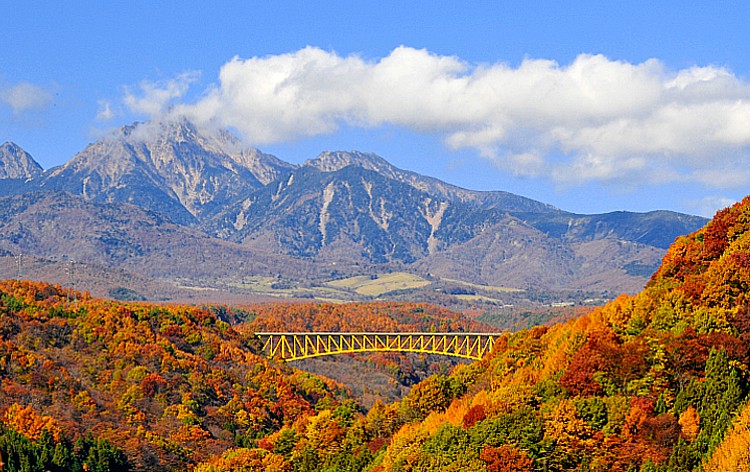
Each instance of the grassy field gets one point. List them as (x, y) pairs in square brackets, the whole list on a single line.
[(272, 287), (477, 298), (363, 285), (373, 287), (491, 288)]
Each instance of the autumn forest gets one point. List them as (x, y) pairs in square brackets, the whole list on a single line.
[(652, 382)]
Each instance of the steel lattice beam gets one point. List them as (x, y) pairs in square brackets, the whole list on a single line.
[(296, 346)]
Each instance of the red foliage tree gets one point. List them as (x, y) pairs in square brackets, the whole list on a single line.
[(475, 414), (506, 458), (152, 384)]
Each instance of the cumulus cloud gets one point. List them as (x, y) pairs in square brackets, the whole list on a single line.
[(105, 112), (708, 206), (154, 98), (24, 97), (593, 119)]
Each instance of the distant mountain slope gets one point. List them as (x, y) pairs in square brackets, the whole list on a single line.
[(15, 163), (353, 205), (655, 228), (56, 224), (313, 212), (17, 167), (168, 167), (345, 209), (514, 254), (330, 161)]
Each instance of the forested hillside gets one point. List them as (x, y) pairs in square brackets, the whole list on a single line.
[(384, 317), (166, 386), (653, 382), (119, 386)]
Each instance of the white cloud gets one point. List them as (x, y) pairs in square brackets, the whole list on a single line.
[(24, 97), (708, 206), (154, 98), (105, 112), (593, 119)]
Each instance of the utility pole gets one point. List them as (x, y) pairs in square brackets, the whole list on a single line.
[(19, 265), (71, 279)]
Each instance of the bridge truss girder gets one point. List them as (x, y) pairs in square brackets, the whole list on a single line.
[(297, 346)]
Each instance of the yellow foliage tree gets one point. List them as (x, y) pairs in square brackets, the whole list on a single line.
[(733, 453), (690, 423), (323, 433), (27, 421), (405, 445), (250, 460), (569, 430)]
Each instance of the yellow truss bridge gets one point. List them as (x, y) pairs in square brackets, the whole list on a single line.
[(296, 346)]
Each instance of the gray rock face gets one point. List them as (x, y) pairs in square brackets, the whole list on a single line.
[(172, 168), (329, 161), (15, 163)]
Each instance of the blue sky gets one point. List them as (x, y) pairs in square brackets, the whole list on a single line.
[(590, 106)]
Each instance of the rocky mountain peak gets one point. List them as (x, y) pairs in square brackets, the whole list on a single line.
[(179, 139), (15, 163), (331, 161), (183, 170), (168, 133)]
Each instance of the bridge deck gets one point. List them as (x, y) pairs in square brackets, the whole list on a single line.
[(290, 346)]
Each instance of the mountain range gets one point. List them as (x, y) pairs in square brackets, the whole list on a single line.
[(170, 202)]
